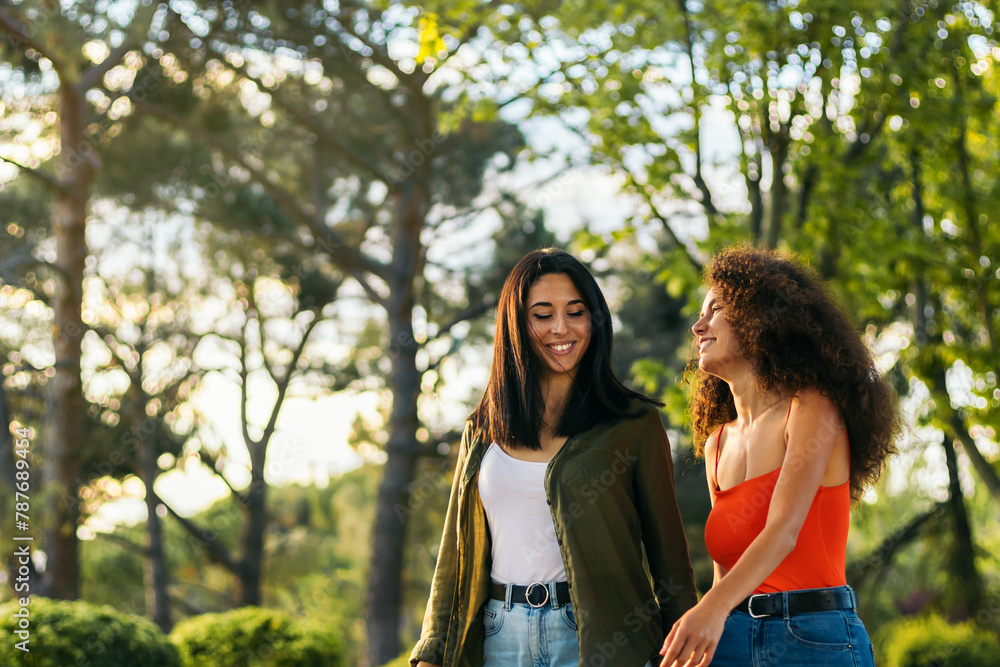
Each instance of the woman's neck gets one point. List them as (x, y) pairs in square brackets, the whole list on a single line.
[(750, 402)]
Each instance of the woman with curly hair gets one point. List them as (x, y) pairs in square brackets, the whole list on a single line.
[(794, 421)]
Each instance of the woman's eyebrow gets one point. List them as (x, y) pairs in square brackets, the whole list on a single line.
[(549, 305)]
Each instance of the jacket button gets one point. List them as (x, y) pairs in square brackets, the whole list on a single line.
[(548, 502)]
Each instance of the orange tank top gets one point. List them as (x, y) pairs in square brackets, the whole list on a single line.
[(819, 556)]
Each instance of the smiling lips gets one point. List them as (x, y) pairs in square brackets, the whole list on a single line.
[(560, 349), (702, 342)]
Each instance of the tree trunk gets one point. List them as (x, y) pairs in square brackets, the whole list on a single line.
[(384, 588), (966, 574), (65, 407), (157, 574), (779, 143), (251, 563)]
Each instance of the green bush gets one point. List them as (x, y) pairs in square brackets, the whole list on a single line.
[(255, 637), (79, 634), (932, 642)]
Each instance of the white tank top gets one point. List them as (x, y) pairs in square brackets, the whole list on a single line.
[(523, 535)]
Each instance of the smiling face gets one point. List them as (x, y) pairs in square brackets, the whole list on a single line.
[(717, 348), (559, 323)]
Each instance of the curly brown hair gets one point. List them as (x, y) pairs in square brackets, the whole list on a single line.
[(797, 337)]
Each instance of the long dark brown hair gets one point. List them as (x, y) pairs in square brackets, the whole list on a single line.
[(796, 337), (512, 408)]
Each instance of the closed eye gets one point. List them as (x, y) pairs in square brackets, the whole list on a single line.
[(577, 314)]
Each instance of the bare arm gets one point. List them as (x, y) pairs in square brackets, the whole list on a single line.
[(711, 455), (814, 432)]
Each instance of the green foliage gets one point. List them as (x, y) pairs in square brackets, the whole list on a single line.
[(252, 635), (110, 575), (402, 661), (932, 642), (78, 633)]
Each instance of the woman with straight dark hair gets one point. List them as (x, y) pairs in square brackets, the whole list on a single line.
[(794, 421), (564, 482)]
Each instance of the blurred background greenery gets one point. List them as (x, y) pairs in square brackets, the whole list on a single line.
[(214, 214)]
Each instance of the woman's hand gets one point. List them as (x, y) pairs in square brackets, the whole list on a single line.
[(695, 635)]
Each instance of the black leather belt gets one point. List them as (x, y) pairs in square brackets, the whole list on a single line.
[(799, 602), (536, 594)]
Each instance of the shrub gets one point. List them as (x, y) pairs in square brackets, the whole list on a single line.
[(79, 634), (932, 642), (255, 637)]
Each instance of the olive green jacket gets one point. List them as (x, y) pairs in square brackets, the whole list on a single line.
[(611, 492)]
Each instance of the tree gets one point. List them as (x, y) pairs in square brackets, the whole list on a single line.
[(860, 139), (388, 162), (40, 35), (141, 319)]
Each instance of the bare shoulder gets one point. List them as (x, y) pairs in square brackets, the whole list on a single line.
[(810, 404), (815, 419), (712, 443)]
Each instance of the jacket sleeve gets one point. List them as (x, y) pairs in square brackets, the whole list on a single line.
[(662, 528), (437, 619)]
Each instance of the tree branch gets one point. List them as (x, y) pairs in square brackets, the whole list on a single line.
[(138, 29), (50, 181), (981, 465), (244, 376), (128, 545), (347, 257), (657, 215), (212, 463), (217, 553), (699, 179), (471, 312), (883, 554), (19, 32), (287, 378), (413, 82), (324, 136)]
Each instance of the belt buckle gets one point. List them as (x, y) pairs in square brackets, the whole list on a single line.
[(750, 605), (527, 595)]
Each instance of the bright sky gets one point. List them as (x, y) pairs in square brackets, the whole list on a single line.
[(309, 446)]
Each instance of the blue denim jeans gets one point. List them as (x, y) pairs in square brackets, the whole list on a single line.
[(519, 635), (817, 639)]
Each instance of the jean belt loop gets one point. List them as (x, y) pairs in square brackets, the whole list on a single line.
[(553, 598), (854, 598), (784, 605), (506, 603)]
